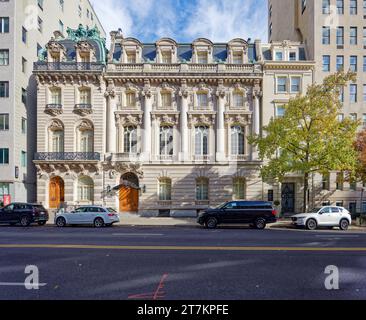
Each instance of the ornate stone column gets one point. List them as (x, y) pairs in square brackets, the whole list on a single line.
[(146, 133), (111, 118), (220, 139), (184, 94), (257, 94)]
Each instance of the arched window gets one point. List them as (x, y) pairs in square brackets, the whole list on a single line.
[(238, 100), (237, 141), (165, 189), (202, 185), (130, 139), (56, 137), (166, 141), (85, 137), (85, 189), (201, 141), (239, 189)]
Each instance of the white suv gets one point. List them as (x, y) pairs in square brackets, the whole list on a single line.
[(324, 217)]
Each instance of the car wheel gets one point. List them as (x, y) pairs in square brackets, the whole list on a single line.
[(42, 223), (98, 223), (344, 224), (211, 223), (260, 224), (25, 221), (311, 224), (61, 222)]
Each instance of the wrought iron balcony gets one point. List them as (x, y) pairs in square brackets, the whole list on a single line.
[(67, 156), (83, 108), (125, 157), (54, 109), (68, 66)]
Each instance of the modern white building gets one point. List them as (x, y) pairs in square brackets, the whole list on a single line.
[(160, 128), (25, 28)]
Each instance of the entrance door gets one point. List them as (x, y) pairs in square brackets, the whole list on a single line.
[(288, 198), (56, 192), (128, 199)]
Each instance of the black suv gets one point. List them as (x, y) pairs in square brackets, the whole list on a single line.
[(255, 213), (24, 214)]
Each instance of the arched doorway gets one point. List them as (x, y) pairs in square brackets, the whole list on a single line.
[(129, 193), (56, 192)]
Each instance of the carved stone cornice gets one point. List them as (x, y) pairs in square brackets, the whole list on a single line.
[(168, 119), (56, 125), (201, 119), (244, 119), (134, 120)]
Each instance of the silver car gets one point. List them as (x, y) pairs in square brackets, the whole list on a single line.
[(88, 215)]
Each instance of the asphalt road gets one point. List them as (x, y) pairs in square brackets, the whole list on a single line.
[(166, 263)]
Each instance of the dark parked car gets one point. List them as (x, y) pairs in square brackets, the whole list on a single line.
[(23, 214), (255, 213)]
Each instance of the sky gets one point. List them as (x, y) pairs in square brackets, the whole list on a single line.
[(185, 20)]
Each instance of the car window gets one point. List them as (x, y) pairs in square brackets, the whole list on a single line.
[(80, 210), (335, 210), (111, 210), (325, 210), (9, 208), (232, 205), (93, 209)]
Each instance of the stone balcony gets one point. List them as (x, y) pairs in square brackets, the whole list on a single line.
[(54, 109), (83, 109), (185, 68), (66, 156)]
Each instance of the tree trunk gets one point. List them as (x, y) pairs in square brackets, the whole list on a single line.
[(306, 190)]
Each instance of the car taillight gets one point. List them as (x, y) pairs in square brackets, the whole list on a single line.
[(274, 212), (111, 214)]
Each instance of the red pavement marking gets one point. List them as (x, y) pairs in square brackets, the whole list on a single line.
[(156, 295)]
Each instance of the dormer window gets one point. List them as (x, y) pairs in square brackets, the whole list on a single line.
[(131, 57), (238, 58), (202, 57), (166, 57)]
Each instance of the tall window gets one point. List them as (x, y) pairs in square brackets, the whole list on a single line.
[(85, 96), (364, 64), (326, 35), (4, 57), (131, 99), (364, 7), (239, 189), (340, 63), (202, 57), (201, 141), (4, 156), (353, 93), (23, 159), (86, 141), (166, 141), (202, 185), (166, 57), (130, 140), (237, 141), (4, 122), (279, 56), (326, 181), (326, 63), (280, 111), (238, 58), (57, 141), (341, 94), (202, 100), (166, 99), (85, 189), (165, 189), (364, 37), (353, 36), (24, 35), (4, 89), (326, 6), (295, 84), (353, 63), (364, 93), (55, 95), (340, 181), (353, 7), (131, 57), (340, 6), (282, 84), (340, 36), (4, 25), (238, 98)]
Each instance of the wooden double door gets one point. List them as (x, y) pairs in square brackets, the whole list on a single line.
[(56, 192), (128, 199)]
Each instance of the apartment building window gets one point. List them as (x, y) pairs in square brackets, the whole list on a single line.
[(24, 126), (131, 57), (80, 11), (4, 25), (303, 5), (201, 141), (295, 84), (202, 189), (353, 7), (237, 140), (293, 56), (238, 98), (39, 48), (24, 35), (279, 55), (4, 156), (364, 93), (202, 100), (40, 4), (85, 96), (24, 65), (364, 120), (326, 63), (340, 63), (85, 189), (353, 63), (340, 6), (166, 141), (326, 35), (281, 84), (326, 7), (326, 181), (340, 36), (339, 181), (4, 89), (237, 58), (280, 111), (4, 57), (166, 57), (55, 95), (353, 93), (62, 5), (364, 7), (364, 63), (23, 159), (40, 25), (165, 189), (4, 122), (202, 57), (353, 36), (239, 187), (24, 96), (341, 94), (130, 140), (340, 117), (353, 116)]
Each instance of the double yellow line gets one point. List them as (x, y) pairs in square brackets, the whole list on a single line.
[(178, 248)]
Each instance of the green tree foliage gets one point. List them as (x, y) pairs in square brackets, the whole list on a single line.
[(309, 137)]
